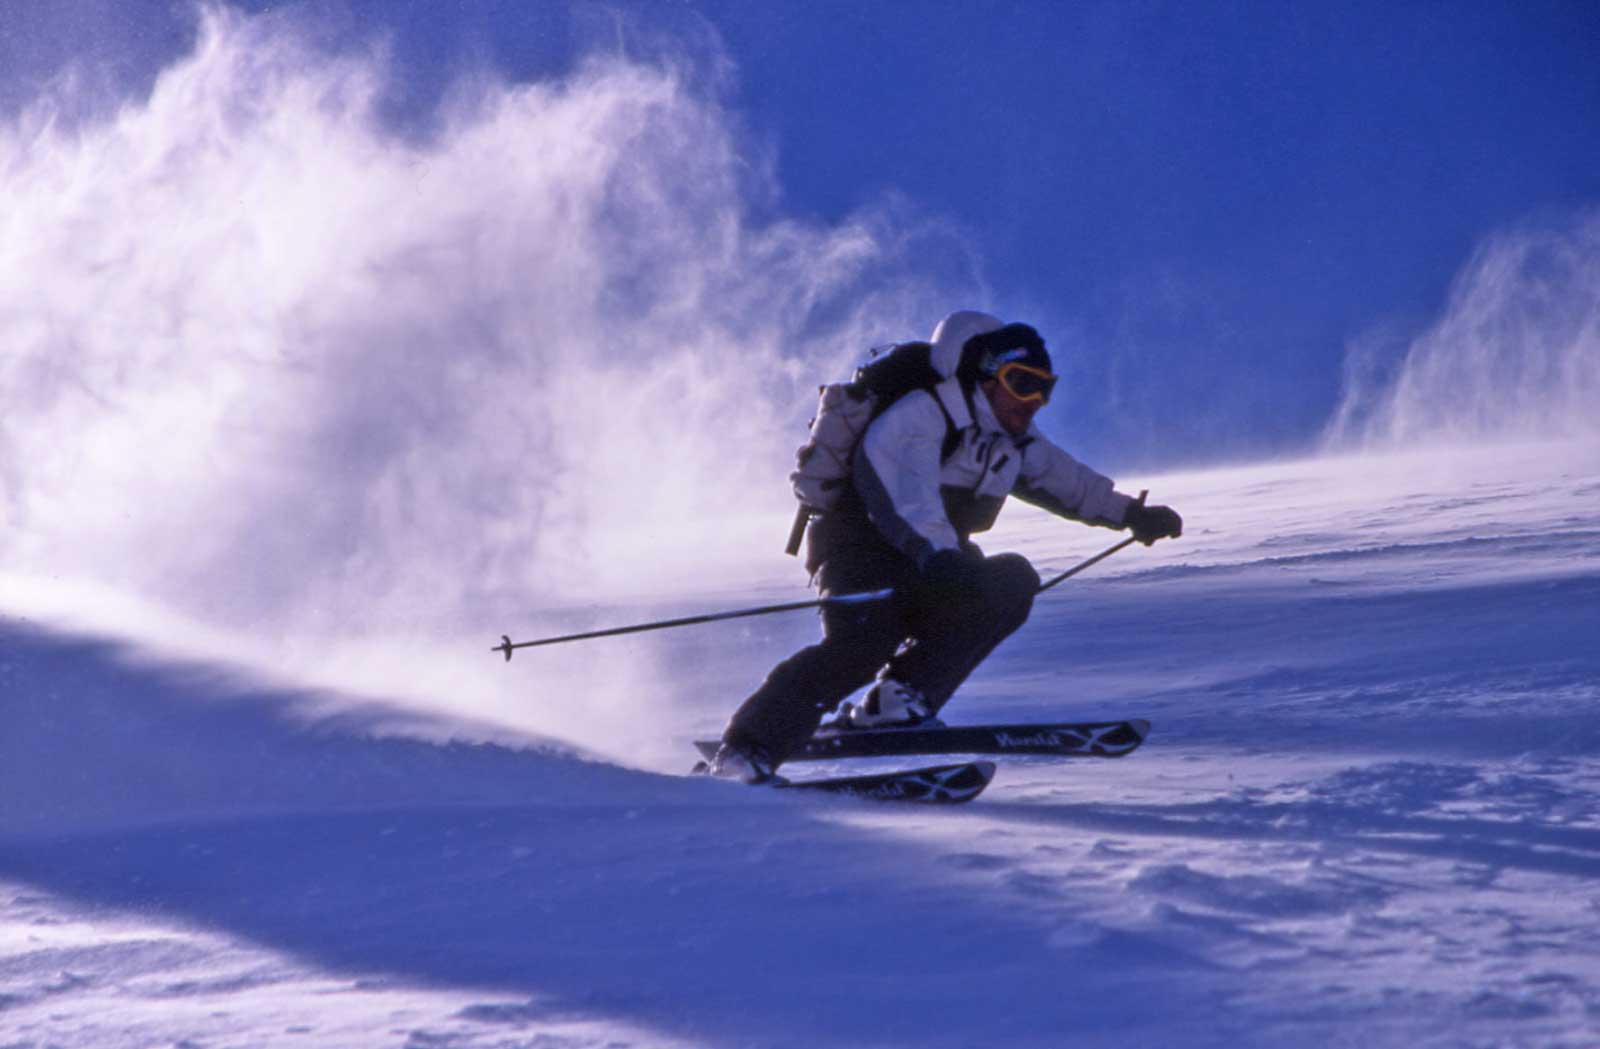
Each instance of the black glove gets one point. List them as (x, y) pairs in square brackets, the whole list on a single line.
[(1150, 523), (952, 577)]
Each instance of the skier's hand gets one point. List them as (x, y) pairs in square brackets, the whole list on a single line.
[(1150, 523), (952, 577)]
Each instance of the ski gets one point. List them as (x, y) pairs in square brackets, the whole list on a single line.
[(936, 785), (1093, 739)]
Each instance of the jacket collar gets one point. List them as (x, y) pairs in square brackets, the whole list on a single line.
[(971, 408)]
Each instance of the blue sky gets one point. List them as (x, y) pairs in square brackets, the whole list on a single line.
[(1201, 205)]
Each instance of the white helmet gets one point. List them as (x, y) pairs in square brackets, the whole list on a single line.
[(952, 333)]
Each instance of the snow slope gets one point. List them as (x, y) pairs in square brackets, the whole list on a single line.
[(1369, 814)]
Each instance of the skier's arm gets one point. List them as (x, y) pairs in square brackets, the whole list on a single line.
[(896, 470), (1055, 481)]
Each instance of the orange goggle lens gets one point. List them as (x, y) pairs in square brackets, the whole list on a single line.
[(1026, 383)]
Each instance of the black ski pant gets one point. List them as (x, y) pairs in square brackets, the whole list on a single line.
[(930, 646)]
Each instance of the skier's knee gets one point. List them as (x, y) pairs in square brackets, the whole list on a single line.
[(1014, 572), (1010, 586)]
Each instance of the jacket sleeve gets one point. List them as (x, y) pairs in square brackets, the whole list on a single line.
[(1055, 481), (896, 470)]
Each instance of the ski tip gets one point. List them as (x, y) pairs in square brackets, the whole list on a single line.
[(983, 771), (1141, 727), (961, 782)]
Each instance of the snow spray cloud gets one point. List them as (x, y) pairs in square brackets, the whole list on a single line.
[(268, 363), (1516, 354)]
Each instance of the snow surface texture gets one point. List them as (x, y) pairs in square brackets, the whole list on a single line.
[(1369, 814)]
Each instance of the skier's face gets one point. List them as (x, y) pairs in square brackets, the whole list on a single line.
[(1014, 415)]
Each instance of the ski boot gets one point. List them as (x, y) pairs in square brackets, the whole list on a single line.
[(749, 764), (890, 703)]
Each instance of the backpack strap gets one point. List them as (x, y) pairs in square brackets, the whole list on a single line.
[(952, 428)]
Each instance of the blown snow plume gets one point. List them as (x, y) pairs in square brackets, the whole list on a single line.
[(1515, 356), (276, 366)]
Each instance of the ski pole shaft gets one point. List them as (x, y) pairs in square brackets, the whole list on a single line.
[(1097, 558), (508, 646)]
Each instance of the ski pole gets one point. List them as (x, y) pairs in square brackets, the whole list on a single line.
[(508, 646), (1097, 558)]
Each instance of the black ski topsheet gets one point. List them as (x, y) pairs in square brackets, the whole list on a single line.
[(935, 785), (1090, 739)]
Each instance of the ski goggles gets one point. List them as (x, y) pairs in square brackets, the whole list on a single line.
[(1026, 383)]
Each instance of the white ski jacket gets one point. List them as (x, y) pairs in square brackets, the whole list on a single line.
[(922, 505)]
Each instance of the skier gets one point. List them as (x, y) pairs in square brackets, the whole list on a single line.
[(931, 470)]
